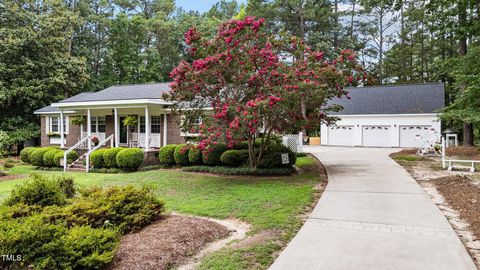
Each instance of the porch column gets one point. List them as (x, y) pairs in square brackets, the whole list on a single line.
[(147, 129), (116, 130), (164, 129), (62, 131), (89, 129)]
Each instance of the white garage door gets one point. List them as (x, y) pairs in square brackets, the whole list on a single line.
[(340, 135), (408, 135), (376, 136)]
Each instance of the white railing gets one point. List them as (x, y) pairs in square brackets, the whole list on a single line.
[(65, 154), (87, 156)]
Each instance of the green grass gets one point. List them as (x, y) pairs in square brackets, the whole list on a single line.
[(406, 157), (264, 202)]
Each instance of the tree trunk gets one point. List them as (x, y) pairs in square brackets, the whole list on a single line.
[(352, 18), (468, 134)]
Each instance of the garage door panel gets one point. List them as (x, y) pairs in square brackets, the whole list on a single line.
[(410, 133), (340, 135), (376, 135)]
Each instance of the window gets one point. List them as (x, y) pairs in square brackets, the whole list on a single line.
[(155, 124), (142, 124), (93, 124), (55, 126), (101, 124)]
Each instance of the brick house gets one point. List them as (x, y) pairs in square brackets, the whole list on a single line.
[(103, 113)]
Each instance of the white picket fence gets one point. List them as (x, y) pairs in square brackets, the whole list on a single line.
[(294, 142)]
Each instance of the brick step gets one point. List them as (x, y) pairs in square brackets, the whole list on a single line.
[(75, 170), (77, 166)]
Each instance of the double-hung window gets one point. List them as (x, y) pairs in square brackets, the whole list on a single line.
[(54, 126), (101, 124), (156, 124), (142, 124)]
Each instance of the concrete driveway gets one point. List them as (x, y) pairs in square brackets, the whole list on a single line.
[(372, 215)]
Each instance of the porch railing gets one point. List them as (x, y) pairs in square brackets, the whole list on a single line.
[(87, 156), (77, 145)]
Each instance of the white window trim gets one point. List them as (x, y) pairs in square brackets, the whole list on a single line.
[(48, 124)]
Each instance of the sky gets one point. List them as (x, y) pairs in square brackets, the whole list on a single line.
[(199, 5)]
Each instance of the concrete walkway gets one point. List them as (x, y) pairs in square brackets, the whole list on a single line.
[(372, 215)]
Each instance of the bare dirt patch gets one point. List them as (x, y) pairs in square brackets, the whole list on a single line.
[(11, 177), (166, 243)]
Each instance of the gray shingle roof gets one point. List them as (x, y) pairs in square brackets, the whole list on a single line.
[(47, 109), (392, 99), (123, 92)]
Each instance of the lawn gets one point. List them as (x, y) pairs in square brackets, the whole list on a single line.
[(267, 203)]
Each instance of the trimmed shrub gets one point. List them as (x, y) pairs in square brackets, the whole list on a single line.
[(272, 157), (234, 158), (25, 154), (110, 157), (181, 154), (96, 158), (71, 157), (167, 154), (130, 159), (38, 190), (195, 155), (8, 165), (240, 170), (211, 156), (48, 157), (36, 157)]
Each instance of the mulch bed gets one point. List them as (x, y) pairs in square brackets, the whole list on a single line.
[(463, 196), (11, 177), (166, 243)]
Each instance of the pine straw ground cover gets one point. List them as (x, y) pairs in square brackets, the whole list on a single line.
[(273, 204)]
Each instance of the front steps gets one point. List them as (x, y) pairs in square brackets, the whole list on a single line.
[(78, 165)]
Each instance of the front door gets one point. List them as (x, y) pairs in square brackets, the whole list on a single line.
[(123, 131)]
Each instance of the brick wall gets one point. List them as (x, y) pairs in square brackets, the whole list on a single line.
[(44, 140), (70, 139), (173, 130)]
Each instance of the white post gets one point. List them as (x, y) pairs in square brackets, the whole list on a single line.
[(300, 142), (62, 131), (116, 128), (164, 129), (443, 152), (147, 129), (89, 130)]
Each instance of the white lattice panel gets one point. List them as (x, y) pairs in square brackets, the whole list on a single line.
[(293, 142)]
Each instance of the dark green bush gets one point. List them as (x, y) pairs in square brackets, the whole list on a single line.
[(181, 154), (130, 159), (167, 154), (234, 158), (240, 170), (195, 155), (48, 157), (38, 190), (110, 157), (300, 155), (96, 158), (125, 207), (25, 154), (71, 157), (272, 158), (36, 157), (211, 155), (67, 186)]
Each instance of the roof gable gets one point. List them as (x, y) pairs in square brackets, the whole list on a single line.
[(392, 99)]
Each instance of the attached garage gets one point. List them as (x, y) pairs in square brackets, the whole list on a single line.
[(341, 135), (385, 116)]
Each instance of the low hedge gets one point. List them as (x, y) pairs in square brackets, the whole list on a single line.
[(36, 157), (110, 157), (234, 158), (272, 158), (25, 154), (130, 159), (71, 157), (49, 157), (167, 154), (195, 155), (240, 170), (181, 154), (211, 155), (96, 158)]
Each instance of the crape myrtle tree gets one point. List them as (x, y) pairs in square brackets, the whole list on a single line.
[(256, 84)]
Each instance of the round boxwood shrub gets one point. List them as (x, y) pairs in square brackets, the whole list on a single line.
[(71, 157), (234, 158), (25, 154), (48, 157), (130, 159), (195, 155), (211, 155), (110, 157), (167, 154), (96, 158), (36, 157), (272, 157), (181, 154)]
